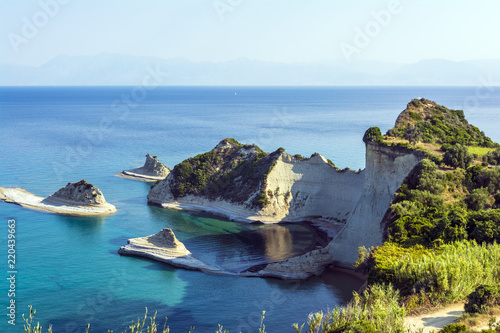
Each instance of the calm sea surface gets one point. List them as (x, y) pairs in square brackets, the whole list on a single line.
[(68, 267)]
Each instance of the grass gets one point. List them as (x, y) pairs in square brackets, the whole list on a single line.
[(480, 319), (444, 275), (479, 151), (377, 309)]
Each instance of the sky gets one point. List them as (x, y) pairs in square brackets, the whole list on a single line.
[(332, 31)]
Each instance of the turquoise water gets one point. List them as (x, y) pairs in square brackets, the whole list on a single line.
[(68, 267)]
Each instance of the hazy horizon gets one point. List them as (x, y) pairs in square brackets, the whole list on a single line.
[(351, 37)]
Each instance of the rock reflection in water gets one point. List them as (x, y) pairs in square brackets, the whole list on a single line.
[(277, 242)]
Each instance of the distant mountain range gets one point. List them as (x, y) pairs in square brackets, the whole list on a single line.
[(112, 69)]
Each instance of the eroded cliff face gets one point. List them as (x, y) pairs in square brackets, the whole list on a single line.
[(311, 188), (247, 185), (386, 169), (297, 189), (79, 193)]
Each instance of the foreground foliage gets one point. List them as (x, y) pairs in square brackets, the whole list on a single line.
[(377, 309), (481, 299), (442, 275)]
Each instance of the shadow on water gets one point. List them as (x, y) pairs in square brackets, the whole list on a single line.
[(83, 223), (142, 200), (236, 246), (254, 245), (119, 241)]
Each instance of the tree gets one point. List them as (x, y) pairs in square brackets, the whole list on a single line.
[(492, 157), (477, 198), (458, 156), (373, 134)]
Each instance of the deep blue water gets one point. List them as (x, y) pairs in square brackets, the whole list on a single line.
[(68, 268)]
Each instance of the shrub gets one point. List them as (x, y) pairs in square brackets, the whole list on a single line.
[(454, 328), (458, 156), (358, 326), (484, 226), (373, 134), (482, 298), (377, 309), (492, 157), (425, 177), (415, 116), (446, 274), (477, 199), (489, 179)]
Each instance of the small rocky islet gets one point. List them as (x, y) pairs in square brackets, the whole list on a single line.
[(79, 198), (152, 171)]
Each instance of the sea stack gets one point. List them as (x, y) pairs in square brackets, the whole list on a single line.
[(152, 171), (79, 193), (165, 247)]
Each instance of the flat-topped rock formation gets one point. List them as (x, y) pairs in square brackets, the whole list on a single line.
[(152, 171), (165, 247), (80, 198)]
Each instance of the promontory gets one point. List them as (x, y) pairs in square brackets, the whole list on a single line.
[(243, 183)]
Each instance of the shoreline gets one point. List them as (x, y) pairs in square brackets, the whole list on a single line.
[(136, 174), (280, 269), (233, 213), (188, 262), (28, 200)]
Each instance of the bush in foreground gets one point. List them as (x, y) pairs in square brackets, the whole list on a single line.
[(377, 309), (446, 274), (481, 299)]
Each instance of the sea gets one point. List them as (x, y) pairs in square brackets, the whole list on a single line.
[(68, 268)]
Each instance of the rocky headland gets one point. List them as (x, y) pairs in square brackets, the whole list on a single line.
[(152, 171), (80, 198), (243, 183), (165, 247)]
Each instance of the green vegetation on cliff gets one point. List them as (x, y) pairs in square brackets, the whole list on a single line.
[(426, 121), (434, 207), (231, 171), (443, 226)]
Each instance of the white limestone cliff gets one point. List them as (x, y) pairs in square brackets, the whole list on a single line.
[(305, 189)]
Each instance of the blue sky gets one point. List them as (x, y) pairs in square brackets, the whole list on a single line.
[(269, 30)]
